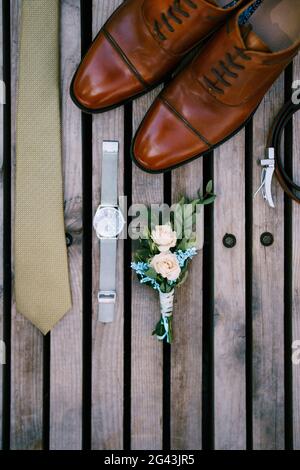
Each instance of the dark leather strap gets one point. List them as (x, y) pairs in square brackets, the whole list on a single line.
[(275, 140)]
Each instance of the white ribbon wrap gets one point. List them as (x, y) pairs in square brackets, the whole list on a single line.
[(166, 308), (166, 303)]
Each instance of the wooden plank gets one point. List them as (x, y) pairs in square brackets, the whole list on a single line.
[(296, 272), (1, 222), (66, 337), (229, 267), (146, 385), (107, 368), (268, 293), (186, 352), (26, 340)]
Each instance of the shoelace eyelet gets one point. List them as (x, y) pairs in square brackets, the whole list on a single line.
[(175, 9), (212, 87)]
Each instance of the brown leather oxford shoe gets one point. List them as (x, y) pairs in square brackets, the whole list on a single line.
[(140, 45), (215, 95)]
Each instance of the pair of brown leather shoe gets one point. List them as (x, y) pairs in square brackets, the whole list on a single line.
[(214, 95)]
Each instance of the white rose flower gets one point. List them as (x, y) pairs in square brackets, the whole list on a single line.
[(166, 264), (164, 237)]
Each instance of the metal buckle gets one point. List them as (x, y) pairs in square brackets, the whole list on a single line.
[(107, 297), (267, 173), (110, 146)]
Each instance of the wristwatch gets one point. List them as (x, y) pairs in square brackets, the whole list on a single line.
[(108, 224)]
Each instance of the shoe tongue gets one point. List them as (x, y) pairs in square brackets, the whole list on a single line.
[(252, 41)]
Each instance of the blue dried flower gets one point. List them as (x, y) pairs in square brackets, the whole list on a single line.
[(140, 267), (153, 282), (183, 256)]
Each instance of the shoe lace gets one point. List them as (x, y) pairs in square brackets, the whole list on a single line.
[(173, 14), (226, 67)]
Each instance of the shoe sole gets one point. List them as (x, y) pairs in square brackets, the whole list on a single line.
[(178, 165)]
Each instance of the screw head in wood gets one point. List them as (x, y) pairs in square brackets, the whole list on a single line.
[(229, 240), (267, 239)]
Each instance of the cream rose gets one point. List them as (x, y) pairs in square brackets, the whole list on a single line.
[(164, 237), (166, 264)]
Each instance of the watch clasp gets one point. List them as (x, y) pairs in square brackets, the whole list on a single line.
[(107, 297), (110, 146)]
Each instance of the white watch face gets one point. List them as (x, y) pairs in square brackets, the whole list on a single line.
[(108, 222)]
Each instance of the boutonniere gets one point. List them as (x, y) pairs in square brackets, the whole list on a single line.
[(165, 252)]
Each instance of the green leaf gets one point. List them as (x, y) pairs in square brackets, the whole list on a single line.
[(142, 251), (209, 200), (153, 247), (183, 278), (192, 242), (182, 245), (159, 329), (170, 335), (145, 244), (182, 201), (177, 219), (209, 187), (162, 288), (146, 233), (169, 288), (151, 273), (195, 202), (165, 286), (178, 212), (154, 219), (142, 254)]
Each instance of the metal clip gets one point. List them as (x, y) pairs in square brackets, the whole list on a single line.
[(107, 297), (267, 173), (110, 146)]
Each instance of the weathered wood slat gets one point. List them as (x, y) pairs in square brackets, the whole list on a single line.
[(146, 385), (1, 220), (186, 352), (66, 337), (229, 267), (26, 340), (107, 369), (146, 355), (268, 293), (296, 273)]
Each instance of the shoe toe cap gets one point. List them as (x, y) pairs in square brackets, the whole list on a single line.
[(164, 140), (103, 79)]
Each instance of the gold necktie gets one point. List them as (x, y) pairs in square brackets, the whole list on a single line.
[(42, 286)]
